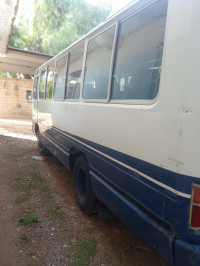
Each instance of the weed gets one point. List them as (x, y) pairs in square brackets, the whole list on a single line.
[(35, 178), (27, 184), (90, 229), (28, 219), (107, 259), (83, 251), (55, 211), (44, 188), (24, 186)]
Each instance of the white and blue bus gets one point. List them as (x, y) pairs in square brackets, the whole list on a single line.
[(121, 108)]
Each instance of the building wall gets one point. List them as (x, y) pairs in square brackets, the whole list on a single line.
[(13, 103)]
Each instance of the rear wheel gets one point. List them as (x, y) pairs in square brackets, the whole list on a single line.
[(85, 197)]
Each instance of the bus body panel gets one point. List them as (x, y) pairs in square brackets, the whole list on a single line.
[(143, 156), (134, 214)]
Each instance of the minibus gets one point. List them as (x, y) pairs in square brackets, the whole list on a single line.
[(120, 108)]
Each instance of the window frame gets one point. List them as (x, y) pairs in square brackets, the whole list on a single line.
[(69, 52), (138, 101), (44, 68), (56, 59), (111, 63), (50, 99), (37, 76)]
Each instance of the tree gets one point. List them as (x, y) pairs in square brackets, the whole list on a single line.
[(56, 24)]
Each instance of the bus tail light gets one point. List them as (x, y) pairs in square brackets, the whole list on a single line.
[(195, 207)]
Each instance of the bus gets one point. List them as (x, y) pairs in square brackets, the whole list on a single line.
[(120, 109)]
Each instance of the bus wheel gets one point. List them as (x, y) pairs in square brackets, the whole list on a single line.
[(85, 197), (42, 149)]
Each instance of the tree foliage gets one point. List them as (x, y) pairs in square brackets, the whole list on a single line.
[(56, 24)]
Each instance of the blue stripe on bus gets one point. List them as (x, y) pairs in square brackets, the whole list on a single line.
[(170, 207), (169, 178)]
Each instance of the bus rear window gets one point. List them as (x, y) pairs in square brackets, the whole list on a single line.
[(139, 54)]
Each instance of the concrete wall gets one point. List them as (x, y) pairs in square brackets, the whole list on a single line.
[(13, 103)]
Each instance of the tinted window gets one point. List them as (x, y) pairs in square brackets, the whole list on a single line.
[(74, 74), (139, 54), (50, 76), (98, 65), (60, 73), (42, 84)]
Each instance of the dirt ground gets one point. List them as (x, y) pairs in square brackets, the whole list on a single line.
[(40, 223)]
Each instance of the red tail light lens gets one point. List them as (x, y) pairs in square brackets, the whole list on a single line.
[(195, 207), (196, 195), (195, 219)]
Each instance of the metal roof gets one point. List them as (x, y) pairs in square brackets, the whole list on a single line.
[(21, 61)]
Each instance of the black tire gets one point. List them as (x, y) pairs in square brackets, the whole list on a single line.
[(42, 149), (85, 197)]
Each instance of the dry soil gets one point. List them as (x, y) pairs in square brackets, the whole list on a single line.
[(59, 233)]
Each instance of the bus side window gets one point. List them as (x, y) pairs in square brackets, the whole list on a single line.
[(74, 74), (42, 84), (98, 65), (50, 77), (59, 78), (139, 53)]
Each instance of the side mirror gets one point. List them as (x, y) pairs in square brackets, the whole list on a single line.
[(29, 96)]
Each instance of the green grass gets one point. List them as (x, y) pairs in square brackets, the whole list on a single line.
[(28, 219), (44, 188), (24, 186), (90, 229), (83, 251), (55, 211), (35, 178), (107, 259), (33, 181)]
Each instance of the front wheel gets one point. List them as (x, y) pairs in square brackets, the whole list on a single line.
[(85, 197)]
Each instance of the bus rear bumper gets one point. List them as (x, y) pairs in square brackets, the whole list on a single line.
[(187, 253)]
